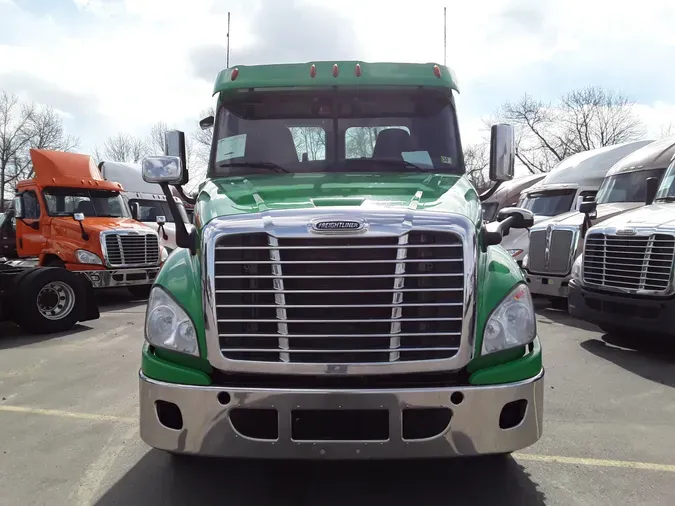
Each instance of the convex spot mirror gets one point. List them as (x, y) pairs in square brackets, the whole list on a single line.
[(161, 220), (162, 169), (521, 218)]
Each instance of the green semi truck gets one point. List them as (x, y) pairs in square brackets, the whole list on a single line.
[(338, 294)]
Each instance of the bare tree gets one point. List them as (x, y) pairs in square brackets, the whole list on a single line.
[(24, 127), (667, 130), (123, 147), (477, 162), (582, 119), (156, 139)]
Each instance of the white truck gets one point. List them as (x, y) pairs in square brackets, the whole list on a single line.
[(555, 243), (146, 200), (574, 180)]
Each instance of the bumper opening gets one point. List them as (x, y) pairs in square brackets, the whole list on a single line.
[(425, 423), (169, 415), (256, 423), (340, 425), (513, 414)]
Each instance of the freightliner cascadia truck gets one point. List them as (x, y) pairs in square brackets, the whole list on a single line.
[(338, 294)]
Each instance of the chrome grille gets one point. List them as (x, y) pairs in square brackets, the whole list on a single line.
[(634, 263), (339, 299), (124, 250), (557, 259)]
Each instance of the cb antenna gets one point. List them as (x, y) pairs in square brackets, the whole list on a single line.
[(445, 36), (228, 41)]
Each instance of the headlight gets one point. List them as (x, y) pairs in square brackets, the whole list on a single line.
[(526, 261), (168, 326), (514, 252), (87, 257), (576, 268), (165, 254), (512, 323)]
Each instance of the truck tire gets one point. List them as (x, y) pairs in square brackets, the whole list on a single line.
[(48, 300), (140, 291)]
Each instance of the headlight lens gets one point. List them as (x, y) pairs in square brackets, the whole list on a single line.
[(512, 323), (576, 268), (168, 326), (514, 252), (87, 257), (165, 254)]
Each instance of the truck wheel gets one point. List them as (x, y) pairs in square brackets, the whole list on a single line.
[(48, 300), (140, 291)]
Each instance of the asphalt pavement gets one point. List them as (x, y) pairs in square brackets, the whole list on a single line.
[(69, 436)]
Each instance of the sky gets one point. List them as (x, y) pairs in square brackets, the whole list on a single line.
[(121, 65)]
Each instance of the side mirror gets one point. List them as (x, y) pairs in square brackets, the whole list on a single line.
[(18, 208), (78, 217), (162, 169), (589, 208), (502, 152), (174, 145), (652, 188), (161, 220), (517, 216), (207, 123)]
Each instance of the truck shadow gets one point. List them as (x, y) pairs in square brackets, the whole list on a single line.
[(159, 479), (653, 359), (12, 336)]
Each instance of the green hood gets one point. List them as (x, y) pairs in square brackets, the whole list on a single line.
[(259, 193)]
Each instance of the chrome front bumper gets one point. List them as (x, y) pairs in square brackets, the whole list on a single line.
[(549, 286), (207, 427), (121, 277)]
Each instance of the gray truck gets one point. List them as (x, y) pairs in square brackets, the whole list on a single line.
[(555, 243)]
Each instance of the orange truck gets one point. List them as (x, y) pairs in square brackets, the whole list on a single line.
[(69, 216)]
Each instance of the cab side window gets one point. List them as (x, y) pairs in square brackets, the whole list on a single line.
[(31, 206)]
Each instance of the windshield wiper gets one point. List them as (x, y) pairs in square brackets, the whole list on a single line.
[(261, 165), (388, 161), (665, 199)]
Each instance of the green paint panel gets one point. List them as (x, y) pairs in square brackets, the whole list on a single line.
[(161, 370), (181, 277), (297, 75), (372, 190), (521, 369)]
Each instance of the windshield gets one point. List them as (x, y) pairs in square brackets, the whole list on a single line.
[(148, 210), (627, 187), (549, 203), (490, 210), (666, 189), (91, 203), (343, 131)]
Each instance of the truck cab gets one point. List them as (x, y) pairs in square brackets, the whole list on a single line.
[(339, 295), (146, 201), (69, 216), (508, 194), (575, 180), (555, 243), (623, 280)]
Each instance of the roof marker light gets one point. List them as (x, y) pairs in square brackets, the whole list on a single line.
[(336, 71), (358, 70), (312, 71), (234, 75), (437, 71)]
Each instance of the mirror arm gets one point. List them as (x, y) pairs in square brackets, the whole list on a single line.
[(160, 228), (184, 238), (85, 235), (494, 237), (184, 196), (488, 193)]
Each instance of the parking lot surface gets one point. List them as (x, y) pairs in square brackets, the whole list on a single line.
[(69, 435)]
